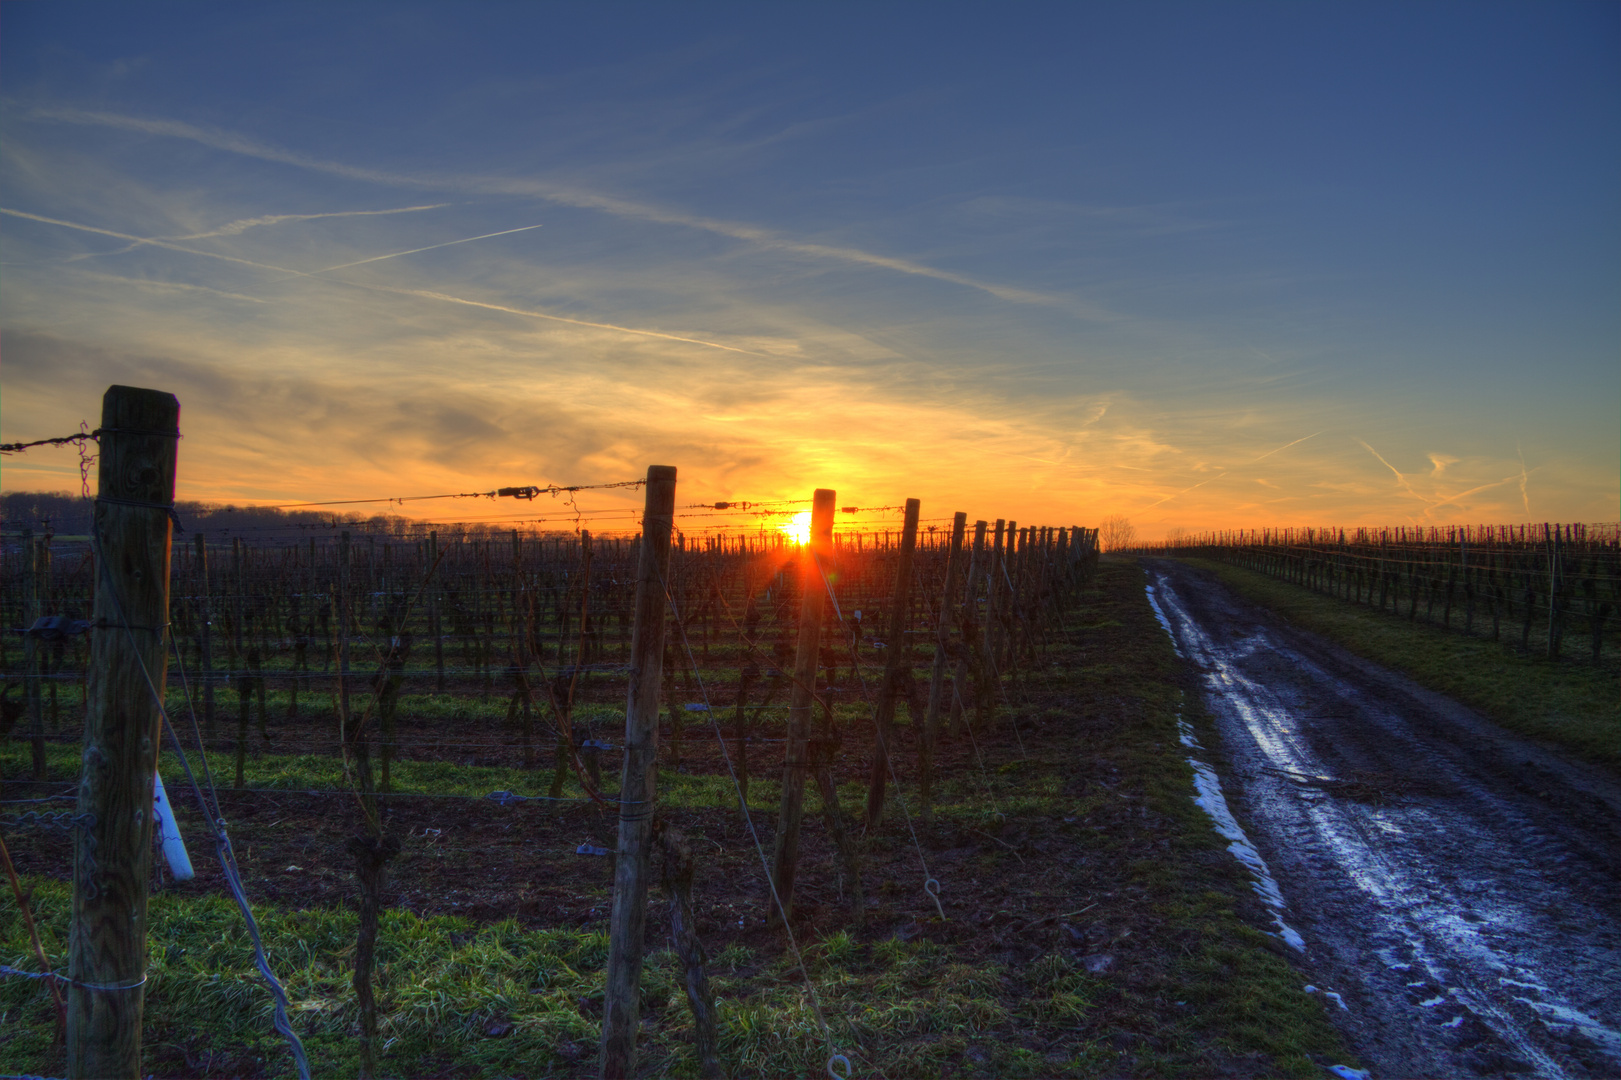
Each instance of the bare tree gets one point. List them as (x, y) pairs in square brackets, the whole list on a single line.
[(1117, 533)]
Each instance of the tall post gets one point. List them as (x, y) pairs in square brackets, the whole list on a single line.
[(812, 594), (205, 632), (113, 849), (433, 614), (897, 656), (937, 675), (33, 608), (638, 784)]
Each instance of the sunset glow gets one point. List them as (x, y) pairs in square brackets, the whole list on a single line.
[(475, 255), (797, 528)]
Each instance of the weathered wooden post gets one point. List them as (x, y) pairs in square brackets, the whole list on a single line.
[(638, 785), (33, 608), (897, 655), (433, 614), (812, 594), (205, 632), (113, 848), (937, 675)]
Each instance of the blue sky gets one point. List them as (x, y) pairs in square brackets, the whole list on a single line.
[(1204, 265)]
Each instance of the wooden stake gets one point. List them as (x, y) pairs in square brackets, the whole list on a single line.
[(897, 656), (812, 594), (33, 608), (638, 786), (113, 851), (937, 675)]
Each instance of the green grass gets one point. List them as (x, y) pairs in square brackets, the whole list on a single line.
[(1569, 702), (1095, 828)]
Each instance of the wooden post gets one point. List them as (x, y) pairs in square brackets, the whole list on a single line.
[(205, 632), (897, 656), (113, 851), (33, 608), (638, 785), (960, 673), (937, 675), (812, 593), (433, 615)]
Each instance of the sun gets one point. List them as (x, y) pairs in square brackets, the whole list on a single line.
[(797, 528)]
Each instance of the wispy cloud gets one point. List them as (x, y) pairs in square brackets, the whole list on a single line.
[(1401, 479), (568, 196), (428, 294), (413, 251), (1286, 446), (242, 225), (166, 245)]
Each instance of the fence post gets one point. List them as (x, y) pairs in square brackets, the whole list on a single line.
[(33, 608), (205, 632), (937, 675), (638, 785), (897, 652), (113, 849), (812, 594)]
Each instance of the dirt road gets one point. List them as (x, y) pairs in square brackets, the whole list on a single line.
[(1458, 888)]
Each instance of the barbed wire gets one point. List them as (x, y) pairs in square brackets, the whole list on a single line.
[(65, 820)]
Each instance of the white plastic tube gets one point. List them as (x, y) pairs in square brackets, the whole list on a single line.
[(167, 831)]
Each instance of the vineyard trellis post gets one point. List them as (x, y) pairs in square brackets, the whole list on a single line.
[(638, 785), (785, 862), (897, 653), (937, 675), (113, 845), (205, 632)]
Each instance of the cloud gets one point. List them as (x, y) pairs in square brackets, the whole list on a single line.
[(430, 247), (242, 225), (1441, 461), (232, 142), (166, 245)]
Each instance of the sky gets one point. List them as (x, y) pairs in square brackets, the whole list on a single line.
[(1203, 265)]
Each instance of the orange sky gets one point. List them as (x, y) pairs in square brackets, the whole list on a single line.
[(1371, 286)]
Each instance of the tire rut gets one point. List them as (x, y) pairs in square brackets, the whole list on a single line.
[(1455, 885)]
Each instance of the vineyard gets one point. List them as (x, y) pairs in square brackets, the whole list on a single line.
[(1539, 584), (518, 724)]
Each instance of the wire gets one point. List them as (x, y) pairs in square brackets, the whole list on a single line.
[(222, 842)]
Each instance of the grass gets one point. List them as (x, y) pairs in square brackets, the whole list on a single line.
[(1097, 926), (1569, 702)]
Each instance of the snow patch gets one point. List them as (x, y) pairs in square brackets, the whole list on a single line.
[(1159, 614), (1212, 802)]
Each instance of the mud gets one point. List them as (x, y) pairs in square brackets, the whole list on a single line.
[(1456, 887)]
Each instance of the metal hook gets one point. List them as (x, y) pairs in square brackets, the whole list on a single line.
[(932, 887)]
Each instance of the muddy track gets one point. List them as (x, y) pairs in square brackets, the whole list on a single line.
[(1458, 887)]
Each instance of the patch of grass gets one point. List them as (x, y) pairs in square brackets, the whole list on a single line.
[(1096, 924), (1569, 702)]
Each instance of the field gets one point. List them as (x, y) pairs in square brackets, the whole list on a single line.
[(1093, 923)]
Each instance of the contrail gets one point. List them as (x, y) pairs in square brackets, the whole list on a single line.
[(1184, 491), (242, 225), (1286, 446), (237, 228), (146, 240), (239, 144), (1525, 477), (1471, 491), (384, 288), (413, 251), (447, 298), (1400, 479)]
